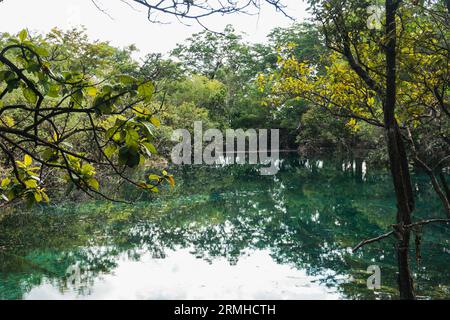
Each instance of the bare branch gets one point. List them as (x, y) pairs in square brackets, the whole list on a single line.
[(198, 9), (406, 227)]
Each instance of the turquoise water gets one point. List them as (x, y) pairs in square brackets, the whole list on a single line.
[(225, 233)]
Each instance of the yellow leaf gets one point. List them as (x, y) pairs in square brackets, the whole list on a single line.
[(45, 197), (31, 184), (6, 182), (154, 177), (7, 120), (27, 160), (171, 181), (91, 91), (37, 196), (155, 121), (93, 183)]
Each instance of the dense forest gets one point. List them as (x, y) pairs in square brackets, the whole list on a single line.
[(212, 77), (81, 119)]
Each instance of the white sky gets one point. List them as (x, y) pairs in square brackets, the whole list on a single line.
[(131, 26)]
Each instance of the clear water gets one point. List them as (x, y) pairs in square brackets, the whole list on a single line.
[(225, 233)]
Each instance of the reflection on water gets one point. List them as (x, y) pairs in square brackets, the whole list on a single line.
[(182, 276), (225, 232)]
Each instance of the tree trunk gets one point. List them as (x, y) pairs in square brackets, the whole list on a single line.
[(397, 157)]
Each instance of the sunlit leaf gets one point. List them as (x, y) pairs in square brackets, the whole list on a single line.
[(23, 35), (38, 197), (27, 160), (155, 121), (154, 177), (91, 91), (31, 184), (93, 183), (6, 182)]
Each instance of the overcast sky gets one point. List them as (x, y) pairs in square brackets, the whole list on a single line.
[(130, 26)]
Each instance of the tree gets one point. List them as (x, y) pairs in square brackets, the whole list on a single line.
[(209, 53), (112, 111), (224, 57), (61, 118), (367, 76)]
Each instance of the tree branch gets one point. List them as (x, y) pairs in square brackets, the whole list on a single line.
[(406, 227)]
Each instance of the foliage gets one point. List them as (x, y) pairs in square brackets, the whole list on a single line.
[(71, 108), (332, 83)]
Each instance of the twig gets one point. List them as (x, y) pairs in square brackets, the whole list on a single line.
[(102, 10), (367, 241), (409, 226)]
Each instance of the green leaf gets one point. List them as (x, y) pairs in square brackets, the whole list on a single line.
[(110, 150), (150, 148), (103, 104), (145, 90), (53, 91), (29, 95), (23, 35), (13, 84), (132, 138), (87, 170), (66, 144), (129, 157), (6, 182), (31, 184), (106, 89), (41, 51), (149, 127), (7, 119), (33, 67), (77, 98), (126, 79), (6, 75), (10, 195), (49, 154)]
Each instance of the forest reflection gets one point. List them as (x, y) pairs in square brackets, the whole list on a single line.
[(307, 217)]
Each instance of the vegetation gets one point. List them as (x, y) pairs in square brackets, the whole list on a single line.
[(78, 117), (225, 214), (396, 80)]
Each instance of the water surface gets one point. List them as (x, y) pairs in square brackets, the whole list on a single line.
[(225, 233)]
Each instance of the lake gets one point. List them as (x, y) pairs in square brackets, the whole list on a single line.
[(226, 232)]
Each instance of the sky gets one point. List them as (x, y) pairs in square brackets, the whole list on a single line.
[(123, 25)]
